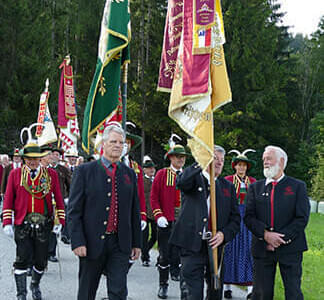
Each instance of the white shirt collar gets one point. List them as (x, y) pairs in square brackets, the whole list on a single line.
[(174, 169), (151, 178), (126, 160), (207, 176), (269, 180), (37, 169)]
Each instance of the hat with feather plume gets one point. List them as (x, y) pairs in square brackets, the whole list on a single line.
[(175, 149), (148, 162), (242, 157), (135, 140), (31, 148)]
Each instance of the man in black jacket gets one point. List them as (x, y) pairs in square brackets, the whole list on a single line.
[(191, 232), (104, 219), (277, 213)]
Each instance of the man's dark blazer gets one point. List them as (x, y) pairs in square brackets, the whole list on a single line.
[(193, 217), (64, 175), (5, 176), (291, 213), (89, 203)]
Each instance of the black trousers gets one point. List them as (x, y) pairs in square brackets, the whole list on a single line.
[(148, 240), (65, 230), (264, 271), (194, 270), (52, 244), (30, 246), (168, 254), (115, 264)]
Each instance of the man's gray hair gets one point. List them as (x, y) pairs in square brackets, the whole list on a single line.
[(219, 149), (113, 128), (280, 153)]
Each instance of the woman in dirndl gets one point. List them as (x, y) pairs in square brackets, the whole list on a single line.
[(237, 256)]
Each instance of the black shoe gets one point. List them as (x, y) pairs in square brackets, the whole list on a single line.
[(228, 294), (29, 271), (175, 277), (146, 263), (21, 284), (52, 258), (65, 240), (249, 296), (34, 285), (163, 292)]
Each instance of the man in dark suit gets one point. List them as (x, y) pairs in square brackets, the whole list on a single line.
[(16, 163), (150, 232), (191, 232), (104, 219), (277, 213), (65, 176)]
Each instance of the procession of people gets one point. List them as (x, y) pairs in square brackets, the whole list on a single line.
[(100, 213)]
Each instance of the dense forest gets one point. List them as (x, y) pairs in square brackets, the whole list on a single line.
[(277, 79)]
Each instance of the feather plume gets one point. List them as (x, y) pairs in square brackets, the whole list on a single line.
[(29, 133), (171, 141)]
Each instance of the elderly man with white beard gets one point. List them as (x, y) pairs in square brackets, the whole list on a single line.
[(277, 213)]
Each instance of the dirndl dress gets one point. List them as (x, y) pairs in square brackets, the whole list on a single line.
[(238, 262)]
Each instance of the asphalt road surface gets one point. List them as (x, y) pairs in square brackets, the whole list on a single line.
[(142, 281)]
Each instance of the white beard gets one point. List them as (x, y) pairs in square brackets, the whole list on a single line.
[(271, 172)]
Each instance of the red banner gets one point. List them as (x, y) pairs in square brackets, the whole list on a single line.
[(171, 42), (41, 113)]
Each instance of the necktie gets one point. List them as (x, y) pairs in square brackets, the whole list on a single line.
[(32, 174), (112, 167), (274, 183)]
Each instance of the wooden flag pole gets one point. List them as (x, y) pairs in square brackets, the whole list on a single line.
[(213, 220), (124, 94)]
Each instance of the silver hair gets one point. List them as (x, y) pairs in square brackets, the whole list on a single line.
[(219, 149), (113, 128), (280, 153)]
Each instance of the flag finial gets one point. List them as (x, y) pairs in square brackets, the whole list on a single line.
[(46, 85)]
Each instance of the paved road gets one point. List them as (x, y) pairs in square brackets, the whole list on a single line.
[(142, 281)]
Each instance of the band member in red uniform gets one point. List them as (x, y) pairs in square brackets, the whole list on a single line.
[(165, 202), (28, 200), (237, 255)]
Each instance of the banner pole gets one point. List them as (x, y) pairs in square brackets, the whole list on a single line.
[(124, 94), (213, 214)]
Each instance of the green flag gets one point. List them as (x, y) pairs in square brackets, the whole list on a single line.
[(113, 52)]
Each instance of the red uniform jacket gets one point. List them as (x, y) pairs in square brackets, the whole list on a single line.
[(140, 187), (17, 199), (164, 196)]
